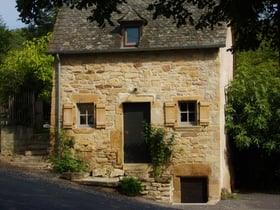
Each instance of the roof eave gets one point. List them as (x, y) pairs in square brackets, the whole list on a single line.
[(93, 51)]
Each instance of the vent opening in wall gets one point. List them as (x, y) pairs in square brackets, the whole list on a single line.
[(194, 190)]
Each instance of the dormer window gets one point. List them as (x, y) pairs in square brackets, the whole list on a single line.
[(131, 36), (131, 25)]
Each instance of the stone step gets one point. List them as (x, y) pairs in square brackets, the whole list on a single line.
[(38, 145), (32, 162), (99, 181)]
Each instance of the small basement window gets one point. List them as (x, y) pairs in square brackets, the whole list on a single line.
[(85, 114)]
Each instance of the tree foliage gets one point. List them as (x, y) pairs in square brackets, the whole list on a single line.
[(253, 109), (253, 21), (29, 68), (5, 40)]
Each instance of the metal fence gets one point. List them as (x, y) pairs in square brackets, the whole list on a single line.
[(19, 110)]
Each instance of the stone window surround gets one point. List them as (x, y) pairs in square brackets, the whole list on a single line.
[(192, 170)]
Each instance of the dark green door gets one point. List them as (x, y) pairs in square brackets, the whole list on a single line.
[(135, 149)]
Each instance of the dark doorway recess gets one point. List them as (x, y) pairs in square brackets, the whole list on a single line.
[(135, 149), (255, 170), (194, 190)]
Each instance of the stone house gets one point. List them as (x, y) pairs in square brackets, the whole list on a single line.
[(108, 80)]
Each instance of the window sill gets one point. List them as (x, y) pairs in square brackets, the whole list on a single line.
[(85, 130), (137, 166), (188, 128)]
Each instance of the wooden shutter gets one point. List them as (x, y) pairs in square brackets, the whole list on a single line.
[(68, 116), (170, 114), (100, 116), (204, 111)]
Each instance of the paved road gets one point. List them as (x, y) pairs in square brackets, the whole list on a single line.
[(39, 190), (19, 191)]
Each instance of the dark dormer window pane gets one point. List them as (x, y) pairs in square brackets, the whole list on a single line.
[(132, 36)]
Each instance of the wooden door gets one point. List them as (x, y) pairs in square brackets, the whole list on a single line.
[(135, 149), (194, 190)]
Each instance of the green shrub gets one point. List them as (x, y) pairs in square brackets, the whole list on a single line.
[(161, 147), (130, 186), (69, 164), (69, 160)]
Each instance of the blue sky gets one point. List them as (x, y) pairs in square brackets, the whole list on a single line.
[(9, 14)]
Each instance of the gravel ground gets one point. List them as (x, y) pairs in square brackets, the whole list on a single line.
[(41, 167)]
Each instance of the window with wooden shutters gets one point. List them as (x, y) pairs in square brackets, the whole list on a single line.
[(170, 114), (100, 116), (67, 116)]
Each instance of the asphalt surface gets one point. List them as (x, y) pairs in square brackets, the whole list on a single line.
[(24, 188), (28, 192)]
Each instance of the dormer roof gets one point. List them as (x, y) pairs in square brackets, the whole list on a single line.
[(132, 16)]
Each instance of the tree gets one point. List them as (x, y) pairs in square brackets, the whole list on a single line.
[(5, 40), (253, 106), (39, 15), (29, 68), (253, 20)]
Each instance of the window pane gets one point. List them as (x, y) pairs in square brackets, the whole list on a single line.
[(90, 120), (191, 107), (191, 117), (82, 108), (132, 35), (183, 106), (184, 117), (83, 120)]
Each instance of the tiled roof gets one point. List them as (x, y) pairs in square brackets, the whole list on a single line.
[(73, 33)]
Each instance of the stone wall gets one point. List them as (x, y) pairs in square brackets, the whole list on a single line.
[(14, 139), (159, 78), (158, 191)]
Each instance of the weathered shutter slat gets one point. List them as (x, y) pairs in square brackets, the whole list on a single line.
[(68, 116), (100, 116), (170, 114), (204, 113)]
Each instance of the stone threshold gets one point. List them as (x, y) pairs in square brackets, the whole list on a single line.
[(98, 181)]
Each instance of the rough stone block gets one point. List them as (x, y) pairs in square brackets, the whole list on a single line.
[(100, 172), (117, 173)]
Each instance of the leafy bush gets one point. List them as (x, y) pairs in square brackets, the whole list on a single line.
[(253, 101), (160, 147), (130, 186), (69, 160)]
